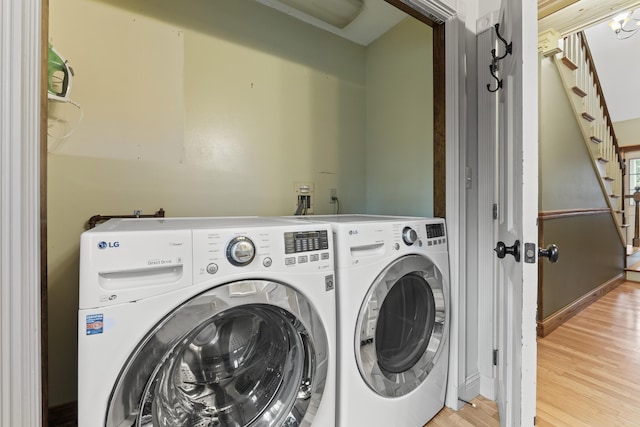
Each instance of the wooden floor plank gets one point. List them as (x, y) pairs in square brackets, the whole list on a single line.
[(485, 414), (588, 370)]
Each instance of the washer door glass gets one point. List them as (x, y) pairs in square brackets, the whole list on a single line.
[(401, 326), (227, 358)]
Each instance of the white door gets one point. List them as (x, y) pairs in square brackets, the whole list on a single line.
[(517, 174)]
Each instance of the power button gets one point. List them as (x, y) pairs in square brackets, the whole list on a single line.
[(212, 268)]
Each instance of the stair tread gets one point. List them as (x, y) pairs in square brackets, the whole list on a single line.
[(588, 117), (569, 63), (608, 178), (636, 266), (602, 159), (581, 93), (596, 140), (578, 91)]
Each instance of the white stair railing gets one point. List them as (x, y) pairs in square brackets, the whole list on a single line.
[(583, 89)]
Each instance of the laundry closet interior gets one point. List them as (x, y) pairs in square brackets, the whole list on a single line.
[(226, 108)]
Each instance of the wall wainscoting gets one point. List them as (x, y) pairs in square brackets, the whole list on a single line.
[(591, 263), (550, 323)]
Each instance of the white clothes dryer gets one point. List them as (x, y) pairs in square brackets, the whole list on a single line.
[(207, 322), (392, 281)]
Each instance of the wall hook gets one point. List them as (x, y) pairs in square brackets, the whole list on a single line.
[(492, 69), (508, 47)]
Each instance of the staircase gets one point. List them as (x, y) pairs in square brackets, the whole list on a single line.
[(581, 82)]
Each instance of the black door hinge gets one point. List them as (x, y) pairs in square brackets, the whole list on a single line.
[(495, 357)]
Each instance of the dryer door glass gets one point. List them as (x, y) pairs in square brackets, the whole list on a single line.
[(405, 324), (250, 359), (401, 325)]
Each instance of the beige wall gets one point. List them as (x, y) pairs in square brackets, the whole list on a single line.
[(399, 122), (590, 249), (567, 176), (628, 132), (207, 110)]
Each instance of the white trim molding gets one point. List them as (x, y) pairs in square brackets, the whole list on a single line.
[(20, 358), (487, 102), (456, 204), (439, 11)]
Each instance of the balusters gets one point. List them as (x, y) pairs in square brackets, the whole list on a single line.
[(598, 125)]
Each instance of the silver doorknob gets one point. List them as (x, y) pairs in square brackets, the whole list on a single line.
[(503, 250), (551, 252)]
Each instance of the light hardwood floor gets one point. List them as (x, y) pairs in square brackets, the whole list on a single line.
[(485, 414), (588, 370)]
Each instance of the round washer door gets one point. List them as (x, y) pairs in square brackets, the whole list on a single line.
[(248, 353), (401, 326)]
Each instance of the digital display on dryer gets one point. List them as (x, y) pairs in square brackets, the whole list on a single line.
[(435, 230), (305, 241)]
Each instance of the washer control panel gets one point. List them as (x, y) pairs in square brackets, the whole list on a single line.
[(219, 252)]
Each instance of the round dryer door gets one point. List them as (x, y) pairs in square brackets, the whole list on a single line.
[(401, 326), (249, 353)]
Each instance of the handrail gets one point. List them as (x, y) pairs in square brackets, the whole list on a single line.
[(603, 103), (580, 77)]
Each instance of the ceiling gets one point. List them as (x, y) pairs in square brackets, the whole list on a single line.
[(615, 59), (576, 15), (616, 62), (376, 18)]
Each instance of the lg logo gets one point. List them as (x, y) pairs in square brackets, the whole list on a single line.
[(105, 245), (352, 232)]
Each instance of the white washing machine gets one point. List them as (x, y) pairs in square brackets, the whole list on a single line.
[(207, 322), (392, 281)]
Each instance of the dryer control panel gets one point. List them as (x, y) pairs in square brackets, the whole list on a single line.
[(305, 241)]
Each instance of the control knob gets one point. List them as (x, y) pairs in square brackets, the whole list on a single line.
[(409, 236), (241, 251)]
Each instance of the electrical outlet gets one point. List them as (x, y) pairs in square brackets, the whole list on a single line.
[(333, 195), (304, 197)]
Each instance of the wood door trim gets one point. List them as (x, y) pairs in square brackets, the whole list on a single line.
[(439, 123), (63, 415), (412, 12)]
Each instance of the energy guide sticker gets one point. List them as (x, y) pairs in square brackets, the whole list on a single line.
[(95, 324)]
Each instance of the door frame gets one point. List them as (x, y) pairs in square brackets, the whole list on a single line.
[(486, 200), (20, 250), (459, 383)]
